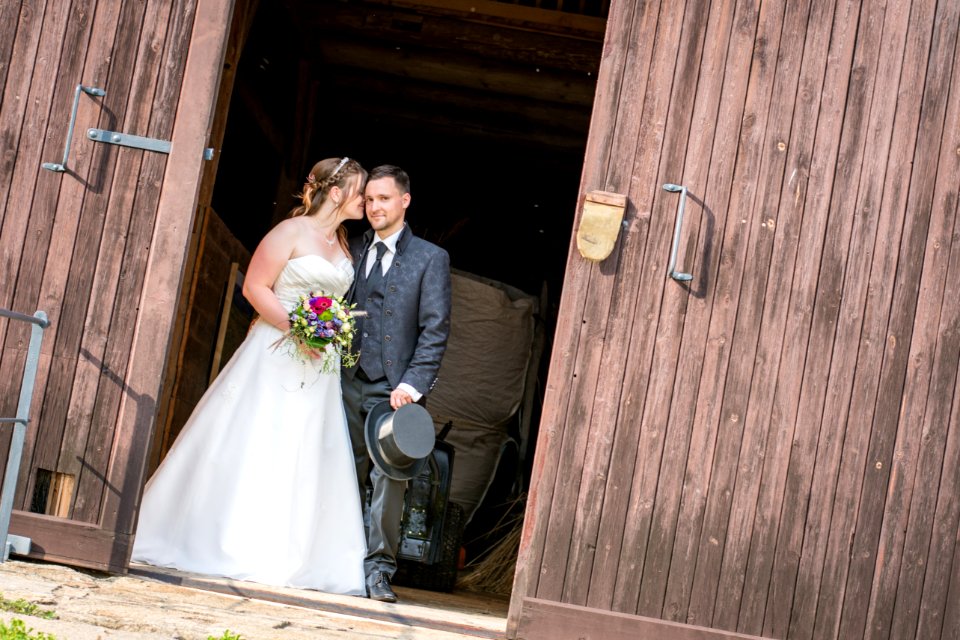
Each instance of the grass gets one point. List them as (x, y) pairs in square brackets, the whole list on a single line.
[(26, 608), (18, 631)]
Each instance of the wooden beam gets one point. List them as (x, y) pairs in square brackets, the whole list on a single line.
[(559, 621), (448, 124), (399, 26), (467, 105), (70, 542), (508, 15), (448, 69)]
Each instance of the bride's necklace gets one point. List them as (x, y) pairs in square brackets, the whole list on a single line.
[(323, 234)]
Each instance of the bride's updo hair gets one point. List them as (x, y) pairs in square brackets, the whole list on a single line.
[(345, 173)]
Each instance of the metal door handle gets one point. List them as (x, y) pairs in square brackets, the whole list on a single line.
[(671, 269), (93, 91)]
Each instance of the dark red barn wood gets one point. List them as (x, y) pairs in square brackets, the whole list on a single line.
[(771, 448), (99, 247)]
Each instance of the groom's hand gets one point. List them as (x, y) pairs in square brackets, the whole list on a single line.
[(398, 398)]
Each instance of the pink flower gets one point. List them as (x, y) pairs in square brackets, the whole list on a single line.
[(319, 305)]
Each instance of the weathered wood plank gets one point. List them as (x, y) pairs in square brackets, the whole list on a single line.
[(937, 481), (733, 247), (794, 260), (105, 447), (207, 41), (664, 121), (27, 27), (169, 423), (546, 619), (926, 246), (30, 254), (858, 345), (634, 116), (942, 560), (572, 301), (642, 192), (701, 462), (9, 13), (747, 514), (731, 64), (825, 554), (951, 618), (912, 134), (20, 27), (783, 344), (592, 335), (850, 304), (23, 109), (615, 298), (82, 198), (99, 265)]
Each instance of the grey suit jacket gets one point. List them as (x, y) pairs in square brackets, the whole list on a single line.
[(416, 309)]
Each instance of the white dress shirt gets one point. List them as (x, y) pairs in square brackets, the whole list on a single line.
[(391, 242)]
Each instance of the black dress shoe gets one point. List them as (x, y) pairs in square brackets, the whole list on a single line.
[(378, 588)]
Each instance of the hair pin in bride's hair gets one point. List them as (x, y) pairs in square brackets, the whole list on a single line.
[(311, 179), (339, 166)]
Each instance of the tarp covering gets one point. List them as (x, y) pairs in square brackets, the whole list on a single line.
[(482, 377)]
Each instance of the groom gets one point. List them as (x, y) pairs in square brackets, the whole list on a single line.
[(403, 283)]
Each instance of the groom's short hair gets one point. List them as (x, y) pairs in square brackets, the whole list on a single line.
[(391, 171)]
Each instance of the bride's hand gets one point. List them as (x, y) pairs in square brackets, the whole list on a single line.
[(311, 353)]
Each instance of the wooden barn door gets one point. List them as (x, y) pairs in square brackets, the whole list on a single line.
[(771, 448), (99, 247)]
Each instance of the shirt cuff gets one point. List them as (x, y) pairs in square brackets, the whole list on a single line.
[(416, 395)]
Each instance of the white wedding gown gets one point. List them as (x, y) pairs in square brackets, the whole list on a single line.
[(260, 484)]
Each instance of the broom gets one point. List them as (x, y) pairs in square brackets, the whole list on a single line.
[(492, 570)]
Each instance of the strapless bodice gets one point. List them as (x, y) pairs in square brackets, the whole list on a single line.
[(312, 273)]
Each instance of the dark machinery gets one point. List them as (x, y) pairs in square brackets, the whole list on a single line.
[(432, 525)]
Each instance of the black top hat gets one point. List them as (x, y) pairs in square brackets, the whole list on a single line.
[(399, 441)]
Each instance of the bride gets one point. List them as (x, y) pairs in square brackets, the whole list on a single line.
[(260, 484)]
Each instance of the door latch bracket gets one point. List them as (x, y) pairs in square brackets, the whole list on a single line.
[(110, 137), (137, 142)]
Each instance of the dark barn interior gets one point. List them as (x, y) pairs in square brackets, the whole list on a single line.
[(487, 113), (485, 104)]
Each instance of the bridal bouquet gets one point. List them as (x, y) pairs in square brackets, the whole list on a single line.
[(324, 323)]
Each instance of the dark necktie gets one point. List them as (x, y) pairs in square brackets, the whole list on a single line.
[(376, 272)]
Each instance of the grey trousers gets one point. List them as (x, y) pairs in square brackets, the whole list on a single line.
[(386, 505)]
